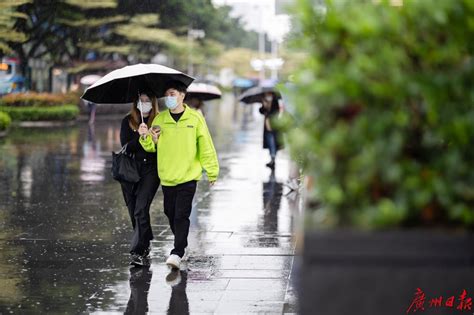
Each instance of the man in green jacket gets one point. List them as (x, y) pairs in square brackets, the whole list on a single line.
[(185, 148)]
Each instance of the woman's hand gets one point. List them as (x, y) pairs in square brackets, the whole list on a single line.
[(155, 134), (143, 130)]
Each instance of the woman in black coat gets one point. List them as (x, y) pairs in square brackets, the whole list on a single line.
[(270, 108), (138, 197)]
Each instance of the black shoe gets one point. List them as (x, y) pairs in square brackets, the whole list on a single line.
[(139, 260), (271, 164)]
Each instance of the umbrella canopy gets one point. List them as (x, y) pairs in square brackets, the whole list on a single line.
[(203, 91), (90, 79), (255, 94), (124, 84)]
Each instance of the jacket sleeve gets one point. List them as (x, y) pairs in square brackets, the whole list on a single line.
[(206, 151), (147, 144)]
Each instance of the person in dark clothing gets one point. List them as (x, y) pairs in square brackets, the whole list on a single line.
[(270, 108), (92, 110), (138, 196), (140, 279), (184, 149)]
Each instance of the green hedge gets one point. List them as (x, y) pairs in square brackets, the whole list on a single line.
[(38, 99), (5, 121), (62, 113), (386, 102)]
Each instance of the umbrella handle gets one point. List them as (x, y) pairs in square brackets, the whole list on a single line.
[(141, 111), (140, 104)]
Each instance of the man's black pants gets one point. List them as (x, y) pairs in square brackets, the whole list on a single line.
[(138, 198), (178, 202)]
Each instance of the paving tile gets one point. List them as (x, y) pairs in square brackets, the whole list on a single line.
[(248, 307), (207, 295), (257, 284), (210, 285), (254, 295), (251, 274)]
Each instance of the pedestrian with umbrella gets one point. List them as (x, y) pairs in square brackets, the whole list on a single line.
[(197, 93), (137, 84), (92, 107), (139, 196), (270, 100), (184, 148)]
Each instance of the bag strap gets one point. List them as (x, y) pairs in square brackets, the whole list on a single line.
[(123, 150)]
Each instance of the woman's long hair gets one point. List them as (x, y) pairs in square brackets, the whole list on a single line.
[(275, 105), (135, 118)]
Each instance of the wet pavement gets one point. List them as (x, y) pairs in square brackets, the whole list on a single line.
[(65, 229)]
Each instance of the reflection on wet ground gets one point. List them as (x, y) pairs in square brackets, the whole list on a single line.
[(65, 230)]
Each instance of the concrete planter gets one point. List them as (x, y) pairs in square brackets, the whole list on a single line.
[(355, 272)]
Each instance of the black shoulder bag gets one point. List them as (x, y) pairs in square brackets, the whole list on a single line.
[(124, 166)]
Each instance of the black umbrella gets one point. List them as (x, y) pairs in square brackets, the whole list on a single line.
[(255, 94), (203, 91), (123, 85)]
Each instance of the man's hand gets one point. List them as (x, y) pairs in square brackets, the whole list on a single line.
[(211, 183), (155, 135)]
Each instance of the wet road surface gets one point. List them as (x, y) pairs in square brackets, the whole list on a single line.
[(65, 230)]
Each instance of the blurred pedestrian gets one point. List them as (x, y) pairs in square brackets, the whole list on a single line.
[(270, 109), (197, 104), (92, 110), (184, 148), (138, 196)]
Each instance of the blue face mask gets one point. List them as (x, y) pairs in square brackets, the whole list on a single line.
[(171, 102)]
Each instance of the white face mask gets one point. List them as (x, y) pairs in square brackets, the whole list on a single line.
[(145, 107), (269, 98)]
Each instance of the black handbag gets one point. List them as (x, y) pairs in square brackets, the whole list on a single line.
[(124, 166)]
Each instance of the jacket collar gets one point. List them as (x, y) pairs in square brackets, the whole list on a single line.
[(169, 119)]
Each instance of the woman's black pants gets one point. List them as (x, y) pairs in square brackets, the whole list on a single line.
[(138, 198)]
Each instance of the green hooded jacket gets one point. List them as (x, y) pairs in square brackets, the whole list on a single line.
[(184, 148)]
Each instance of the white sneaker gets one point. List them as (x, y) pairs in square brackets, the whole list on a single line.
[(173, 278), (173, 261)]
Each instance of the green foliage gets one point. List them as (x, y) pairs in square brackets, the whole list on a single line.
[(8, 17), (386, 110), (5, 121), (133, 30), (61, 113), (68, 22), (93, 4), (92, 22), (141, 33), (38, 99)]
